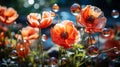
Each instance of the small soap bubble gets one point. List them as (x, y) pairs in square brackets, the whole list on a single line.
[(75, 9), (55, 7), (44, 37), (115, 13), (92, 51)]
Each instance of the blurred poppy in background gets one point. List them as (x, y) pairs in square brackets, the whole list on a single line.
[(114, 48), (8, 15), (22, 49), (29, 33)]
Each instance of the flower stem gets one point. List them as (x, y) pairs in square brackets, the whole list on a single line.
[(10, 34), (60, 55), (90, 39), (76, 24), (98, 40), (40, 45), (58, 18)]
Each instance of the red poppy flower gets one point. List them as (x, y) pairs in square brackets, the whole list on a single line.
[(92, 18), (30, 33), (64, 34), (108, 33), (35, 20), (22, 49), (114, 45), (8, 16)]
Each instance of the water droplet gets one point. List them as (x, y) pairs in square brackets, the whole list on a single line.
[(92, 51), (107, 33), (15, 22), (75, 9), (91, 40), (44, 37), (55, 8), (53, 61), (12, 33), (13, 54), (115, 13), (63, 61), (22, 49), (36, 59)]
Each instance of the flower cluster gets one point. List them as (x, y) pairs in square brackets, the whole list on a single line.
[(76, 42)]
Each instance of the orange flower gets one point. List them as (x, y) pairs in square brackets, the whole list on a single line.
[(8, 16), (92, 18), (64, 34), (30, 33), (35, 19), (2, 39), (108, 33), (22, 49), (2, 10), (115, 46)]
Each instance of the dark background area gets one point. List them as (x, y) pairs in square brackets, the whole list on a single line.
[(105, 5)]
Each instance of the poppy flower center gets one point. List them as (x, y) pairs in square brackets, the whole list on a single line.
[(64, 35), (90, 19)]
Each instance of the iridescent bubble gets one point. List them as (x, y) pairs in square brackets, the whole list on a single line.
[(13, 54), (15, 22), (55, 8), (44, 37), (115, 13), (91, 40), (92, 51), (107, 33), (36, 59), (64, 61), (53, 61), (75, 9)]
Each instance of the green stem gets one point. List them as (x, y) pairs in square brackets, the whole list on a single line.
[(90, 39), (76, 24), (40, 45), (98, 40), (60, 55), (10, 34), (58, 18), (82, 34)]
